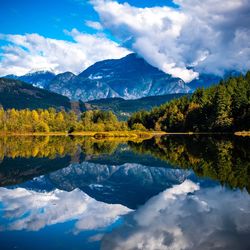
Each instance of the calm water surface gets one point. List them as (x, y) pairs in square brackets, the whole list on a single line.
[(172, 192)]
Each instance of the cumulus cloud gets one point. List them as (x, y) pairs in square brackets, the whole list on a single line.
[(205, 36), (94, 25), (186, 217), (32, 51), (32, 211), (200, 36)]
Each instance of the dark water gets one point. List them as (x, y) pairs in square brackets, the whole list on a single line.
[(173, 192)]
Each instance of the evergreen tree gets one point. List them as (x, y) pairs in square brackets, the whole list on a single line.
[(223, 118)]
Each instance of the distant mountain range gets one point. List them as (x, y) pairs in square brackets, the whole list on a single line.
[(20, 95), (122, 85), (40, 79), (130, 77)]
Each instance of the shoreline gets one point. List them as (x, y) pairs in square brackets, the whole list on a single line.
[(242, 133), (122, 134), (95, 134)]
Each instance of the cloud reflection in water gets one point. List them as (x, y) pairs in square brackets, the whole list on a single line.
[(186, 217), (32, 211)]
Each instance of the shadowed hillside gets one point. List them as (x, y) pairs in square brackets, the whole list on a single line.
[(20, 95)]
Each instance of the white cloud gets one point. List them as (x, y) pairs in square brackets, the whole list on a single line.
[(31, 210), (26, 52), (94, 25), (208, 35), (186, 217), (211, 35)]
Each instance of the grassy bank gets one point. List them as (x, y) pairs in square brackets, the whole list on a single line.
[(97, 135)]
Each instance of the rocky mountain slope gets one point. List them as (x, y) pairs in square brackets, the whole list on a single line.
[(40, 79), (130, 77), (20, 95)]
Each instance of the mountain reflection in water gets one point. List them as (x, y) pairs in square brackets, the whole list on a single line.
[(170, 192)]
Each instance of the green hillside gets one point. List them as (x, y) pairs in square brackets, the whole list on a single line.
[(124, 108), (20, 95)]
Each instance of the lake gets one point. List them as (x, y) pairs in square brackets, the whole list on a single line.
[(169, 192)]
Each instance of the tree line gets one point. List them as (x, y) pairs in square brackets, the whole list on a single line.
[(50, 120), (224, 107)]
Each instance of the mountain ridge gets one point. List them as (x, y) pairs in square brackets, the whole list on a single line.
[(20, 95), (130, 77)]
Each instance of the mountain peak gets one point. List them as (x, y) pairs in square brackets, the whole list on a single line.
[(41, 71), (130, 77)]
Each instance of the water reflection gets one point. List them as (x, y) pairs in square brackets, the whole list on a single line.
[(171, 192), (222, 158), (128, 184), (32, 210), (107, 170), (186, 217)]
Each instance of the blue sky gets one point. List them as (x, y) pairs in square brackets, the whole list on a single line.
[(51, 17), (46, 17), (183, 38)]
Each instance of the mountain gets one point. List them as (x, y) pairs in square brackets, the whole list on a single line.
[(124, 108), (208, 80), (39, 79), (20, 95), (130, 77), (205, 81)]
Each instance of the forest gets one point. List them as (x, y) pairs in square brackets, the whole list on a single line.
[(221, 108), (32, 121)]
